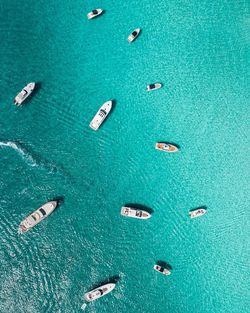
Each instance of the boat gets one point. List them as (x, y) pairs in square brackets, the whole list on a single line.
[(94, 13), (101, 115), (197, 212), (134, 34), (153, 86), (83, 307), (37, 216), (99, 292), (162, 270), (131, 212), (24, 93), (167, 147)]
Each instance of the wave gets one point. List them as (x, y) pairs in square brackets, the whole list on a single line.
[(28, 157)]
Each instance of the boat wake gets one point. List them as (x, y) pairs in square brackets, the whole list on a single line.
[(27, 156)]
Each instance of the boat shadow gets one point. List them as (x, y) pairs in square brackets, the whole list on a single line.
[(110, 280), (204, 207), (164, 264), (114, 103), (140, 207), (59, 199)]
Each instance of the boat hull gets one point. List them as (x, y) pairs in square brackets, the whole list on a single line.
[(24, 94), (101, 115), (92, 15), (162, 270), (134, 213), (99, 292), (157, 86), (132, 37), (166, 147), (197, 213), (37, 216)]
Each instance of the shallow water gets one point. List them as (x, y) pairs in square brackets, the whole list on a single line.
[(199, 52)]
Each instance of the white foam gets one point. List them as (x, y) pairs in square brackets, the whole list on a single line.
[(21, 151), (29, 158)]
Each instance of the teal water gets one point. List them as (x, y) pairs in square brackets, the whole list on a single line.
[(199, 50)]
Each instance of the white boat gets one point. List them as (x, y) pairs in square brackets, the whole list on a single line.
[(101, 115), (134, 34), (24, 93), (94, 13), (197, 212), (37, 216), (153, 86), (162, 270), (131, 212), (98, 292), (83, 307), (167, 147)]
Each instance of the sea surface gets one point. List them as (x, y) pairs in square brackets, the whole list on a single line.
[(199, 50)]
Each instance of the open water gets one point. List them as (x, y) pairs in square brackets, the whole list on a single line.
[(199, 51)]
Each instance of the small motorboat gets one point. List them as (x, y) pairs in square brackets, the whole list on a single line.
[(83, 307), (37, 216), (154, 86), (101, 115), (94, 13), (134, 35), (131, 212), (162, 270), (98, 292), (24, 93), (167, 147), (197, 212)]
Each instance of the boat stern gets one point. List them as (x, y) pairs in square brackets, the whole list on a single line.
[(22, 229), (86, 297), (94, 126)]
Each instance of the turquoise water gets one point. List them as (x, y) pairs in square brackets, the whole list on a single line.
[(198, 50)]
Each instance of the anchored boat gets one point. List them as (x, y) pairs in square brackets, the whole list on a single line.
[(37, 216), (99, 292), (162, 270), (131, 212), (154, 86), (24, 93), (167, 147), (197, 212), (134, 35), (94, 13), (101, 115)]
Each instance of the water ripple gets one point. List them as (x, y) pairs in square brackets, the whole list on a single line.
[(28, 157)]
